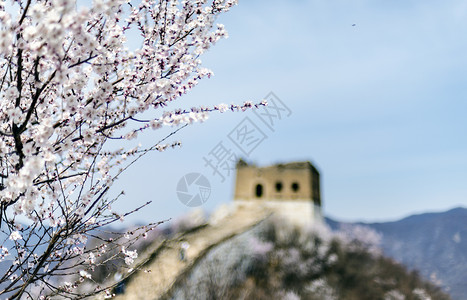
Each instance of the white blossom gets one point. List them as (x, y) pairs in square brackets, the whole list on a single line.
[(130, 256), (13, 277), (84, 274), (15, 235)]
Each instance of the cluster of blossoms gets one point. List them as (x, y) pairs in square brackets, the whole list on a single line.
[(72, 79), (130, 256), (4, 253)]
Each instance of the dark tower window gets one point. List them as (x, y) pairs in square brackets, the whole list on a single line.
[(278, 186), (259, 190), (295, 187)]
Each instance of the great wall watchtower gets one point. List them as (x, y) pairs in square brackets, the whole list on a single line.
[(290, 190)]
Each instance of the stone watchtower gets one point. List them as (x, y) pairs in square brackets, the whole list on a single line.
[(291, 190)]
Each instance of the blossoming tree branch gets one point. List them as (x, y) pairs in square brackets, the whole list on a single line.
[(69, 83)]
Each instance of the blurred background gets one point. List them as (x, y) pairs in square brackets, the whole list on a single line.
[(375, 93)]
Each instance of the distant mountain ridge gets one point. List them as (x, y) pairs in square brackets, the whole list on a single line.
[(435, 244)]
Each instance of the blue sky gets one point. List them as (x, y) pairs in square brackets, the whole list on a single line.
[(378, 107)]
